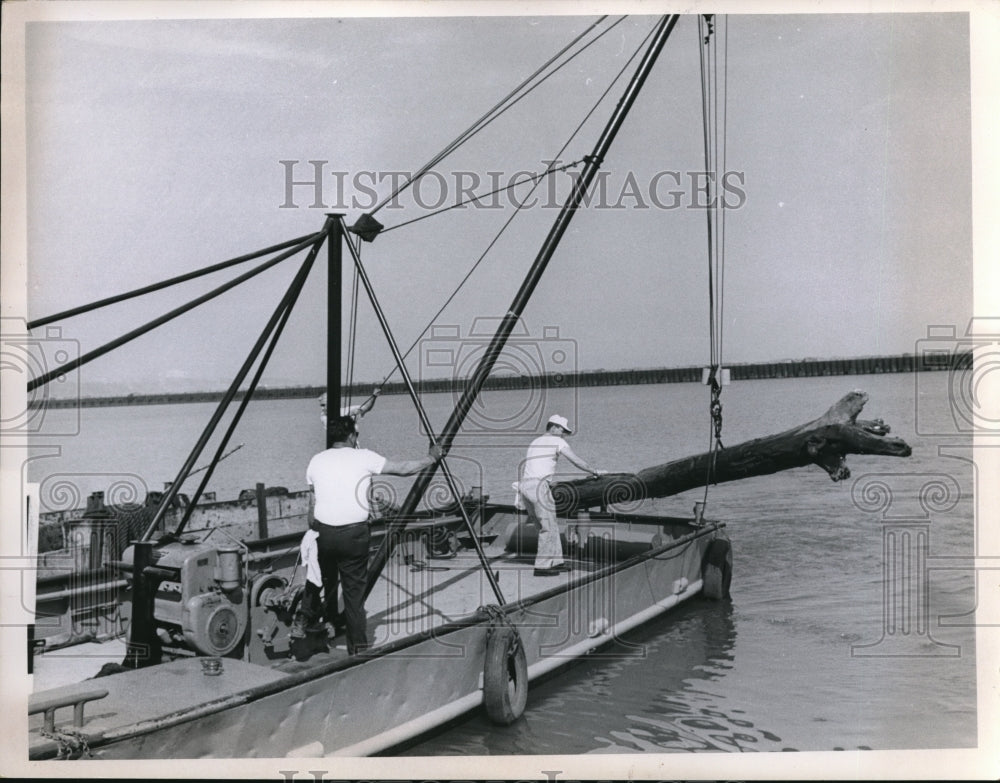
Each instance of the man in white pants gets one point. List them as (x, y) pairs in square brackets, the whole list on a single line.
[(536, 474)]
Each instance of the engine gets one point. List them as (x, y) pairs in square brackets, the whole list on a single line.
[(207, 600)]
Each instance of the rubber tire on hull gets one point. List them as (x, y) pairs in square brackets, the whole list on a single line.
[(505, 676), (717, 569)]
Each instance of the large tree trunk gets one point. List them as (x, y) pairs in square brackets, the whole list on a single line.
[(824, 442)]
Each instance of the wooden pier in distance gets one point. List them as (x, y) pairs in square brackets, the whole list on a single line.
[(789, 368)]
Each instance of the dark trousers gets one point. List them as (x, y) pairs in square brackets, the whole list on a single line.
[(343, 558)]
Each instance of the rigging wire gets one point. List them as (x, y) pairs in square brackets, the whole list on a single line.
[(499, 108), (79, 361), (704, 42), (238, 415), (714, 139), (517, 211), (279, 314), (720, 326), (475, 199), (221, 457)]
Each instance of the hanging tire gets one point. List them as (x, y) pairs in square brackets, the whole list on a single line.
[(505, 676), (717, 569)]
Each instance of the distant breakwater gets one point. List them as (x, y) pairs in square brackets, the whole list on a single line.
[(791, 368)]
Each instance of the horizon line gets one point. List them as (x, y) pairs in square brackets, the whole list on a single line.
[(777, 369)]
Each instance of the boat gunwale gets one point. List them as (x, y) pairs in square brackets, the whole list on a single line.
[(101, 737)]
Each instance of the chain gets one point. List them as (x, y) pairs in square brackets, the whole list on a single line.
[(716, 411), (81, 742), (72, 744), (709, 26), (499, 619)]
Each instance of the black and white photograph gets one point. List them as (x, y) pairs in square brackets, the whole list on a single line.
[(542, 391)]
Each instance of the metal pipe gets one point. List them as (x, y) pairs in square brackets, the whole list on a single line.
[(143, 643), (334, 320), (166, 283), (292, 291), (258, 557), (149, 326), (261, 511), (482, 371), (449, 478), (76, 592)]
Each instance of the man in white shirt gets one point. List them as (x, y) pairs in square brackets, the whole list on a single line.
[(341, 479), (536, 473)]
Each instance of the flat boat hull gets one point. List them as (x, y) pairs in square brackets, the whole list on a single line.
[(425, 669)]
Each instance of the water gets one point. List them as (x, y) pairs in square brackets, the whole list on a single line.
[(799, 660)]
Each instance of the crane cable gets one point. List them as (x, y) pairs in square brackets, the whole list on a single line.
[(714, 132), (505, 104), (536, 181)]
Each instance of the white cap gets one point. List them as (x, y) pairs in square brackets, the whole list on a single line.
[(560, 421)]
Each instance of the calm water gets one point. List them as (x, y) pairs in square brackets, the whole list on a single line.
[(799, 660)]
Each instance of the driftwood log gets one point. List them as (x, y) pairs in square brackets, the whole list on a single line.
[(825, 442)]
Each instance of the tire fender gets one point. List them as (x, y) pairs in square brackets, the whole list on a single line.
[(505, 675), (717, 569)]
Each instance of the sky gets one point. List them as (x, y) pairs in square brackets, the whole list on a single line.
[(155, 147)]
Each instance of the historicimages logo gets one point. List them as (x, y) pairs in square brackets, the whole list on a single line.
[(312, 184), (24, 357), (531, 369)]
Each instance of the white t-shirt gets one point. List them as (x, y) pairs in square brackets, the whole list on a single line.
[(342, 478), (540, 463)]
